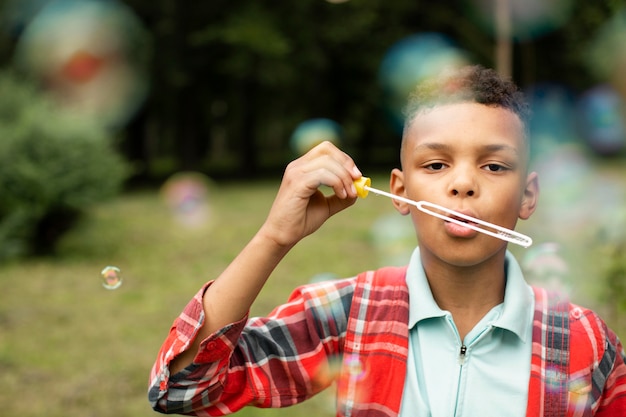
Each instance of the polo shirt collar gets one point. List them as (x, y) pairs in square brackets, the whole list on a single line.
[(516, 313)]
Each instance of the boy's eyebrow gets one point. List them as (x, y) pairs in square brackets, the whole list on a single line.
[(501, 147), (436, 146)]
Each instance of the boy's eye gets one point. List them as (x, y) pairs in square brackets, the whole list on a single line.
[(436, 166), (494, 167)]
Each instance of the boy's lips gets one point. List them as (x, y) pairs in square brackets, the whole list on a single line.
[(462, 214), (458, 230)]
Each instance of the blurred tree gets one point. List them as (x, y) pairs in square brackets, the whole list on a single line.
[(238, 77), (53, 166), (230, 80)]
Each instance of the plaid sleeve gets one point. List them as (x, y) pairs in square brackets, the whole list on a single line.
[(597, 373), (275, 361), (611, 371)]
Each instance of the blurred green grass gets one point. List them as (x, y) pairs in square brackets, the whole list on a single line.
[(70, 348)]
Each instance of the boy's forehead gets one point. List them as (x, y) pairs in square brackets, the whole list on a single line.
[(450, 112), (490, 127)]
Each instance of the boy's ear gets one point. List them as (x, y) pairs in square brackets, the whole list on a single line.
[(531, 196), (396, 186)]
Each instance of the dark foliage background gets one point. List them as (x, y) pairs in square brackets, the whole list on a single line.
[(230, 80)]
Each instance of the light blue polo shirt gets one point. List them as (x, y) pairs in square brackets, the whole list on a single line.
[(484, 375)]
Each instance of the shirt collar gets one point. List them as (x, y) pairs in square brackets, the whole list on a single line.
[(516, 310)]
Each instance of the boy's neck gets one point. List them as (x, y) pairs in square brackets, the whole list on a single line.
[(468, 293)]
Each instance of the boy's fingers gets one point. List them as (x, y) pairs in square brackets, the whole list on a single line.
[(336, 204), (327, 158)]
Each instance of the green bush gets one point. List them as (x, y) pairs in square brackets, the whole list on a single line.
[(53, 165)]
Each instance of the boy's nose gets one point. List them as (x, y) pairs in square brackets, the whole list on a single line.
[(463, 186), (468, 193)]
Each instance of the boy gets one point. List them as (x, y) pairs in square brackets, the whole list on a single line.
[(457, 332)]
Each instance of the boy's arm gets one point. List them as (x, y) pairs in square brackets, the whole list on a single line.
[(240, 364), (299, 209)]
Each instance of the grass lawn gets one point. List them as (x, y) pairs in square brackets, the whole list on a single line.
[(70, 348)]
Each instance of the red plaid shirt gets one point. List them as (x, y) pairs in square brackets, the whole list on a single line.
[(355, 332)]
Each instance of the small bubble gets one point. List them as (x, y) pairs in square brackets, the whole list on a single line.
[(111, 277), (555, 379), (323, 277), (356, 368), (351, 387)]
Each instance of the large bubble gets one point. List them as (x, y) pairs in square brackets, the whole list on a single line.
[(90, 54), (545, 265), (312, 132), (526, 19), (565, 174), (394, 238), (602, 115), (581, 209), (607, 53), (410, 61), (186, 194), (553, 121)]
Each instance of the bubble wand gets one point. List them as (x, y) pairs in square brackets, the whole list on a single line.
[(363, 188)]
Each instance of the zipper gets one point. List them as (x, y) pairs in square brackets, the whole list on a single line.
[(462, 355)]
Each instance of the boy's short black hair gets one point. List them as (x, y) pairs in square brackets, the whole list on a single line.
[(468, 84)]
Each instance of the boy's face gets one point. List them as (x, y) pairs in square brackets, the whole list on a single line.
[(471, 158)]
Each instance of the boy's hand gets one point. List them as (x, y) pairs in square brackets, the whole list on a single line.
[(300, 208)]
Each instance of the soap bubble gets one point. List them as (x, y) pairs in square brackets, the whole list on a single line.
[(328, 304), (394, 238), (606, 53), (566, 175), (544, 264), (312, 132), (187, 196), (555, 379), (553, 118), (529, 19), (90, 55), (352, 386), (111, 277), (323, 277), (411, 61), (601, 120), (355, 367)]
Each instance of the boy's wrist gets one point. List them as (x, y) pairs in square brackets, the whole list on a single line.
[(273, 238)]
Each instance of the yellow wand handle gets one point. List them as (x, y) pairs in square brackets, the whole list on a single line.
[(361, 185)]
